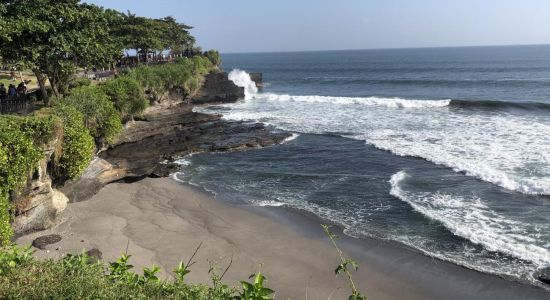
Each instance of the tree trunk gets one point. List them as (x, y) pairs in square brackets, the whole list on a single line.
[(42, 84), (55, 87)]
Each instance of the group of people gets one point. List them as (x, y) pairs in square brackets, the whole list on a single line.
[(12, 92)]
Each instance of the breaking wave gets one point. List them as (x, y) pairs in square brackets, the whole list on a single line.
[(472, 219), (242, 79)]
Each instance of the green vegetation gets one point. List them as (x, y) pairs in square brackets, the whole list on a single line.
[(152, 36), (99, 112), (344, 266), (78, 145), (214, 57), (20, 142), (83, 277), (185, 74), (79, 277), (53, 38), (127, 96)]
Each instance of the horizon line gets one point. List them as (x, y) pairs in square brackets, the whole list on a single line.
[(390, 48)]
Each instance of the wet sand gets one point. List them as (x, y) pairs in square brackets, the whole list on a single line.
[(162, 222)]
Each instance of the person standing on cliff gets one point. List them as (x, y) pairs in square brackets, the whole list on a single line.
[(12, 91), (3, 92)]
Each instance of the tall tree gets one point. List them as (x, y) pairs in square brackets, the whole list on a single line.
[(53, 38), (146, 35), (176, 36)]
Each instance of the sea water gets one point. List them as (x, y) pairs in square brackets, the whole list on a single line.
[(446, 150)]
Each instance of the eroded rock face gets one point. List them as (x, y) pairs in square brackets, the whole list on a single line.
[(217, 88), (147, 147), (38, 205)]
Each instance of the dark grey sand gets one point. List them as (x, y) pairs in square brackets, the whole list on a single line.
[(162, 222)]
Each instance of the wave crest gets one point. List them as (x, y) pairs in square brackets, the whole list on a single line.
[(470, 218), (370, 101)]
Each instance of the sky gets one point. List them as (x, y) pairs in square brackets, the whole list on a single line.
[(302, 25)]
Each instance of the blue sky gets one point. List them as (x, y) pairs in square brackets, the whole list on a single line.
[(298, 25)]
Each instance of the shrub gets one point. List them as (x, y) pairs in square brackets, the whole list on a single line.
[(214, 57), (127, 96), (78, 145), (20, 141), (185, 73), (79, 82), (201, 65), (76, 277), (99, 114)]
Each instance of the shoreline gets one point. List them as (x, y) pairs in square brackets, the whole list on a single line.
[(162, 222)]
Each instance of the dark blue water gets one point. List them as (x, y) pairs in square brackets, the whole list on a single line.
[(446, 150)]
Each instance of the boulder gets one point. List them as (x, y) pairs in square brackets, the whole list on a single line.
[(257, 78), (543, 275), (46, 240), (94, 254)]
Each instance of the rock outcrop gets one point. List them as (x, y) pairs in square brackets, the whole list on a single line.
[(258, 79), (147, 147), (38, 205), (543, 275), (217, 88)]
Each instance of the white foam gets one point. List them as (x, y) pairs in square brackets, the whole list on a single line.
[(268, 203), (242, 79), (498, 147), (370, 101), (470, 218), (291, 138)]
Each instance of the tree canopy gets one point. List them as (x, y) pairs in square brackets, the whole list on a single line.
[(53, 38), (146, 35)]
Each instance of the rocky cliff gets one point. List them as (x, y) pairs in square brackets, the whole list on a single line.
[(39, 203), (145, 148), (217, 88)]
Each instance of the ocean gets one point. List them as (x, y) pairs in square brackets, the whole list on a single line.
[(446, 150)]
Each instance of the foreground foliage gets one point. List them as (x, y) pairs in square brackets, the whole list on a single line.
[(79, 277), (84, 277)]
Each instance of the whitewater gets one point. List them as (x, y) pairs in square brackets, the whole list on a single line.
[(505, 148)]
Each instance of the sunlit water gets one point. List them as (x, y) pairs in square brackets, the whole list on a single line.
[(445, 150)]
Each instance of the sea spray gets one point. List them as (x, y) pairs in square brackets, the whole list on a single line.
[(242, 79)]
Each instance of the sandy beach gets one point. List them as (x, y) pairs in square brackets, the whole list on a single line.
[(162, 222)]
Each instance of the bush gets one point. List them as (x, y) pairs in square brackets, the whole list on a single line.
[(76, 277), (214, 57), (201, 65), (20, 141), (127, 96), (99, 114), (79, 82), (78, 145), (186, 74)]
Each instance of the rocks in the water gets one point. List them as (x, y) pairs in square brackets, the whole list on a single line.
[(45, 240), (543, 275), (94, 254), (217, 88), (257, 78)]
